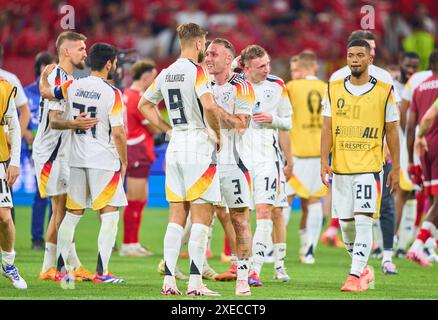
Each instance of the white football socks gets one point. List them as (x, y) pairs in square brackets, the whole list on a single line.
[(49, 256), (377, 233), (362, 243), (106, 240), (303, 241), (313, 226), (243, 266), (279, 255), (8, 258), (65, 238), (73, 258), (348, 231), (172, 246), (197, 247), (260, 242), (407, 224)]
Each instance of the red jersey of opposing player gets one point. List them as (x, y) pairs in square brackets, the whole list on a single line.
[(424, 96), (140, 140)]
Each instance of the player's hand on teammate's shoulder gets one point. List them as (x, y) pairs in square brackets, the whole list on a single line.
[(47, 70), (83, 122), (12, 174)]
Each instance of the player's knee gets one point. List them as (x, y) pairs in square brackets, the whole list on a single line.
[(5, 216)]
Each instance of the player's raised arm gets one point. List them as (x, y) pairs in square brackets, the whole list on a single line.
[(425, 125), (45, 87)]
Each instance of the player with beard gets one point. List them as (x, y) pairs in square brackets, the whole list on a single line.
[(405, 202), (192, 182), (51, 150), (98, 157), (359, 110)]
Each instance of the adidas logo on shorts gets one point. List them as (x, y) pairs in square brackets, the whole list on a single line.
[(366, 206), (6, 200), (238, 201)]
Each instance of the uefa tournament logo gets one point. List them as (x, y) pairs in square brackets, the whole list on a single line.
[(314, 105)]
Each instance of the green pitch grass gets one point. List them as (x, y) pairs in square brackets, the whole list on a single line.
[(319, 281)]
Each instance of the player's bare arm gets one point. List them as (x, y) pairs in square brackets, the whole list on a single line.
[(24, 117), (80, 122), (212, 115), (404, 106), (150, 112), (119, 136), (410, 135), (285, 145), (392, 139), (425, 125), (326, 146), (234, 121), (13, 170)]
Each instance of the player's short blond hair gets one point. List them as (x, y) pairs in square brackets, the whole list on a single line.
[(68, 35), (142, 66), (188, 32), (251, 52), (307, 60), (227, 44)]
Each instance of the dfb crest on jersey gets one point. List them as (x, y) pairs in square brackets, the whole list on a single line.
[(225, 97), (268, 94)]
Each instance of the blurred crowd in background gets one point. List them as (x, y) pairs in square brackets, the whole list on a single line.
[(283, 27)]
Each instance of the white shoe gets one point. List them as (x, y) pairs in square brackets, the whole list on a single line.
[(309, 259), (432, 257), (134, 250), (178, 274), (202, 290), (281, 274), (208, 272), (12, 274)]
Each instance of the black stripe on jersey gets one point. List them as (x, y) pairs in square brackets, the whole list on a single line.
[(55, 152), (239, 161), (47, 121), (201, 110)]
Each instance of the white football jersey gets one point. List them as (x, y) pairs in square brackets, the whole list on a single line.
[(181, 85), (93, 148), (414, 81), (270, 97), (236, 96), (374, 71), (20, 97), (51, 144)]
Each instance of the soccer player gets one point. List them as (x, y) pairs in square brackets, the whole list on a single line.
[(235, 97), (51, 151), (405, 202), (385, 225), (358, 112), (424, 96), (272, 112), (32, 92), (21, 101), (9, 172), (98, 157), (306, 99), (192, 182), (141, 156)]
